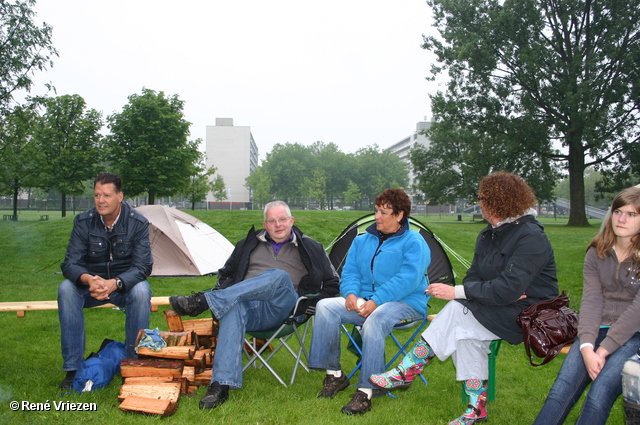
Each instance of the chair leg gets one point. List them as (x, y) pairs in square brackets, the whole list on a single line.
[(491, 390)]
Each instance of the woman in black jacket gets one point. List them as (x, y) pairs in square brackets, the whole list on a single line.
[(513, 267)]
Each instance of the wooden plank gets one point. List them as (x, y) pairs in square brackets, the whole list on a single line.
[(21, 307), (203, 327), (174, 321), (151, 367), (149, 406), (180, 352), (159, 391)]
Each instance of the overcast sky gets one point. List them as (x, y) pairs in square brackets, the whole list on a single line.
[(350, 72)]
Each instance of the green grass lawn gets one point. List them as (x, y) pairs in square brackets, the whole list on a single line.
[(30, 366)]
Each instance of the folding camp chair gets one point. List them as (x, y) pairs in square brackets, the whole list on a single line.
[(420, 322), (297, 324)]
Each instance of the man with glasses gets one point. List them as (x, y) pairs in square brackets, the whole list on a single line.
[(257, 289)]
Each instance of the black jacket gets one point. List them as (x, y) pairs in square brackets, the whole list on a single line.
[(509, 261), (123, 253), (321, 279)]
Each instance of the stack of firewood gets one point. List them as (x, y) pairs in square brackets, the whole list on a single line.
[(154, 382)]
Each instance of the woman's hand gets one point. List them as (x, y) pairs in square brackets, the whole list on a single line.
[(367, 308), (351, 302), (441, 291), (593, 361)]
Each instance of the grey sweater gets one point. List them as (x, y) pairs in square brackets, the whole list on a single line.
[(610, 298)]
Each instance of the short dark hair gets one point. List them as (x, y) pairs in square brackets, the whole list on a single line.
[(106, 178), (397, 199)]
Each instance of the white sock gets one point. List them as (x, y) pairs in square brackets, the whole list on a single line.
[(367, 391), (336, 373)]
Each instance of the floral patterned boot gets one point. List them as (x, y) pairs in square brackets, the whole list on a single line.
[(401, 376), (476, 390)]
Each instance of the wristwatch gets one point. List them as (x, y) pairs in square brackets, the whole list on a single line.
[(119, 284)]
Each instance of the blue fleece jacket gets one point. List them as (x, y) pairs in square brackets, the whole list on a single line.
[(394, 270)]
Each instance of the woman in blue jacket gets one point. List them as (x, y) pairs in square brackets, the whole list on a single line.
[(383, 282)]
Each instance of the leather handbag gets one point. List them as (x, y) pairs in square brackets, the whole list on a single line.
[(547, 326)]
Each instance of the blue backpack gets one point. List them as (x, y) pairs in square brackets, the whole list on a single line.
[(99, 369)]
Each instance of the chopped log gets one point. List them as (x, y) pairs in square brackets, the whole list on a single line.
[(174, 339), (189, 372), (151, 367), (202, 327), (152, 380), (209, 358), (203, 378), (148, 379), (160, 391), (174, 322), (207, 341), (182, 352), (199, 361), (149, 406)]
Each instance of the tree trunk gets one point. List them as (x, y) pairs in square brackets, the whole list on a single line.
[(577, 215), (64, 205), (15, 200), (152, 198)]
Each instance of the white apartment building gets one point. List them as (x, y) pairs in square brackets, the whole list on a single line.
[(232, 150), (403, 147)]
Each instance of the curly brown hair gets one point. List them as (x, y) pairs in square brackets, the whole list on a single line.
[(505, 195), (396, 199)]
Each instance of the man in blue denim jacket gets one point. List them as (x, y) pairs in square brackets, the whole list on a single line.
[(108, 260)]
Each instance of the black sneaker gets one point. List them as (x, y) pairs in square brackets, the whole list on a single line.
[(215, 396), (190, 305), (332, 385), (358, 405), (67, 382)]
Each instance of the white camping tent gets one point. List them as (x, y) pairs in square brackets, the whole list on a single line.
[(182, 245)]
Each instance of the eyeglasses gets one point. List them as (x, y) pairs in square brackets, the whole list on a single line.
[(278, 221)]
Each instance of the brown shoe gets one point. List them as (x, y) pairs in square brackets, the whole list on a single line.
[(332, 385), (358, 405)]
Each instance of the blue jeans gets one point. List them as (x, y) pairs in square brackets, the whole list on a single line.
[(325, 341), (72, 299), (573, 379), (256, 304)]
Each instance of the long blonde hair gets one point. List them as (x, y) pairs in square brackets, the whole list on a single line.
[(606, 238)]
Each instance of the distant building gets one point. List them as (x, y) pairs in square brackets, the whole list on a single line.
[(232, 150), (402, 149)]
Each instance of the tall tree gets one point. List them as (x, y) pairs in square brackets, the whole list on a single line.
[(329, 158), (218, 188), (200, 182), (148, 145), (374, 171), (19, 162), (538, 74), (24, 49), (69, 139), (352, 195), (259, 183), (288, 165), (318, 186)]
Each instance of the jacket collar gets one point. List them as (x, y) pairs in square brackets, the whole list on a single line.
[(261, 234), (375, 232)]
